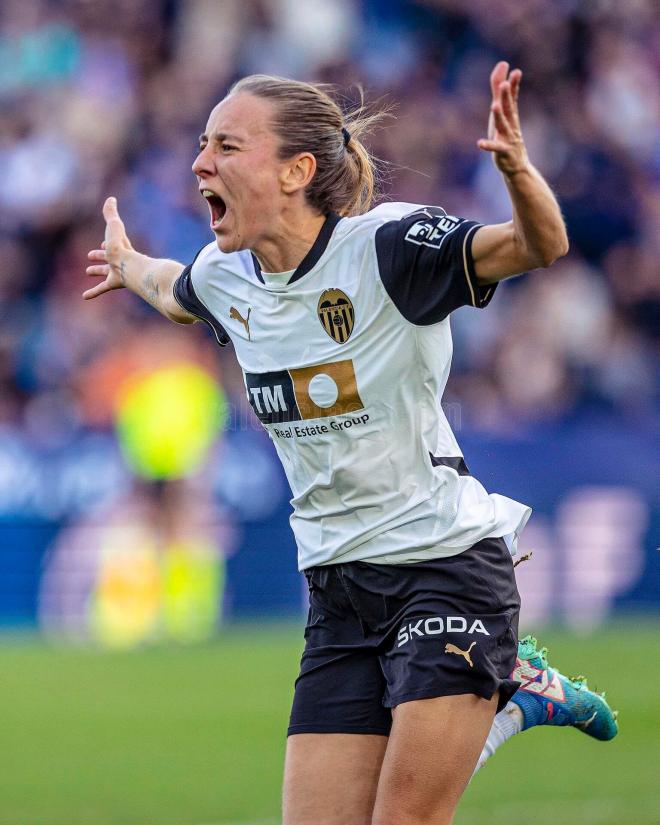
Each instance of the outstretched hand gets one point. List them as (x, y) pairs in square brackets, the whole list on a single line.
[(109, 264), (505, 139)]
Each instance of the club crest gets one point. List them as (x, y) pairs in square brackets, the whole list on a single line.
[(336, 314)]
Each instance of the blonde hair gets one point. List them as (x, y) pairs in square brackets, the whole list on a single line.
[(307, 119)]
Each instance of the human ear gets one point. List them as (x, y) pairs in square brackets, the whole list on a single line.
[(298, 173)]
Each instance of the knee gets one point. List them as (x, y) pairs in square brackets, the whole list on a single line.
[(412, 799), (395, 815), (397, 819)]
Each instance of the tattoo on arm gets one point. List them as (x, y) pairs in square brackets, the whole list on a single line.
[(150, 288)]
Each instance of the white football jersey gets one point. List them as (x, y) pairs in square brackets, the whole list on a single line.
[(345, 362)]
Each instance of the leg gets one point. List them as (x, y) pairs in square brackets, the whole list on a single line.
[(331, 778), (430, 757), (338, 729), (507, 723), (547, 697)]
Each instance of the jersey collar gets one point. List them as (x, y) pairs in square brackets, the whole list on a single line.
[(313, 256)]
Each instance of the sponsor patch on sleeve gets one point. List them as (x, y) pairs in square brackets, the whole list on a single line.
[(431, 227)]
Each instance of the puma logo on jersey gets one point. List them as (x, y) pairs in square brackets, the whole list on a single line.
[(236, 315), (436, 624), (450, 648), (432, 229)]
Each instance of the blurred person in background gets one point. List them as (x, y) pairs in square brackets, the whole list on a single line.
[(289, 186), (151, 565)]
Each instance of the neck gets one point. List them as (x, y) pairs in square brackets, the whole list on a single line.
[(286, 248)]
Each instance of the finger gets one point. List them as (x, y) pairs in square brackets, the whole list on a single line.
[(97, 255), (491, 131), (506, 100), (512, 99), (98, 269), (498, 74), (114, 226), (514, 78), (103, 245), (99, 289), (510, 109), (497, 146), (110, 211), (501, 123)]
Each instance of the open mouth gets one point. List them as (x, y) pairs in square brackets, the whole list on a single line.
[(217, 206)]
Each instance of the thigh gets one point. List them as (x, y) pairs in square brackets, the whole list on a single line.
[(431, 754), (331, 778)]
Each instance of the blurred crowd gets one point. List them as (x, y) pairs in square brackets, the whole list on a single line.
[(103, 97)]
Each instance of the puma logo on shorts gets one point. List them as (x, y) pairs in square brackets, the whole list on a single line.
[(450, 648)]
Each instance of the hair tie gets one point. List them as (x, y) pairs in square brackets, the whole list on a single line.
[(346, 134)]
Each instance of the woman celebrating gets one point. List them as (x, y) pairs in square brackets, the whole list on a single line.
[(339, 318)]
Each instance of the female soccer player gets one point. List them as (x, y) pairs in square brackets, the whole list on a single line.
[(339, 318)]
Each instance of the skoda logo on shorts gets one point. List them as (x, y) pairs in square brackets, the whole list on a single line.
[(336, 314)]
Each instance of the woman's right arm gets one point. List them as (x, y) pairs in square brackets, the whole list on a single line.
[(121, 266)]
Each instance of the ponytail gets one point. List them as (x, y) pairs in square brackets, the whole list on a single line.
[(307, 119)]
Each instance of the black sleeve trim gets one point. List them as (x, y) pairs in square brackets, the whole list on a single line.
[(480, 295), (455, 462), (426, 265), (186, 297)]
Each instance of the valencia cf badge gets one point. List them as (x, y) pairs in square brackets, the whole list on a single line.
[(336, 314)]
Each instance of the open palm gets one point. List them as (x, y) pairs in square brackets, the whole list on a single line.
[(108, 260), (505, 138)]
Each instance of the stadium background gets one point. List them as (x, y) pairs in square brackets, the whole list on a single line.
[(113, 536)]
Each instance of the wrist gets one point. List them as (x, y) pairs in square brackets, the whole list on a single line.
[(525, 170), (131, 267), (522, 181)]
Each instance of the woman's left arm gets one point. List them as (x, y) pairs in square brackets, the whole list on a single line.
[(536, 235)]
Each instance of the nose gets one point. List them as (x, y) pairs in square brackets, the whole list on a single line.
[(202, 165)]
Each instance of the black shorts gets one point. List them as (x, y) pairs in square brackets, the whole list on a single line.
[(378, 635)]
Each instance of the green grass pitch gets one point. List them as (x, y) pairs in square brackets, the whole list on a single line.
[(195, 736)]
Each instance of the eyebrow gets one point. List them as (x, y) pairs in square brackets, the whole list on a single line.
[(219, 136)]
